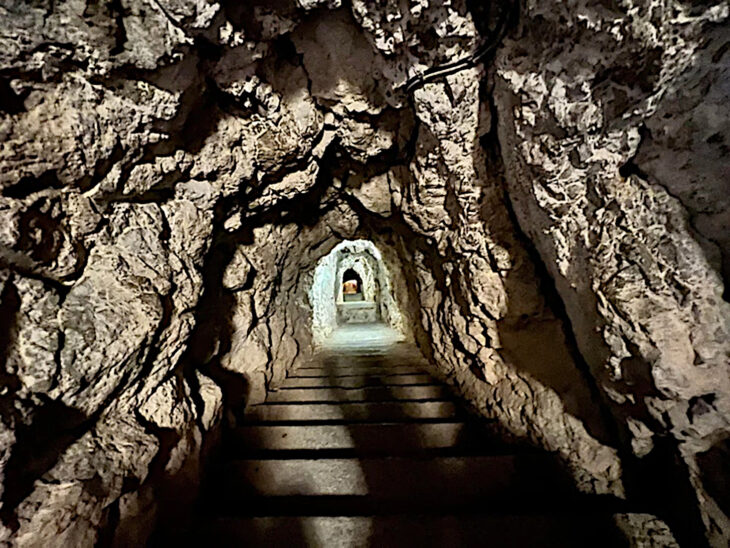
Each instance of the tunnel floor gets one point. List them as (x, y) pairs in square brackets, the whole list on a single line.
[(363, 447), (362, 338)]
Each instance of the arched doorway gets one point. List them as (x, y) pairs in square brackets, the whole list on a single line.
[(351, 285), (352, 289)]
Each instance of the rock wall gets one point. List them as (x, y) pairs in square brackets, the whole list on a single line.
[(321, 295), (171, 172), (611, 172)]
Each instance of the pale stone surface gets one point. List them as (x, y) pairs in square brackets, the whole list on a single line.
[(325, 294), (644, 300), (374, 195), (171, 172), (645, 531), (340, 63)]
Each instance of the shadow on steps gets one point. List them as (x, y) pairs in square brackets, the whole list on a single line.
[(364, 448)]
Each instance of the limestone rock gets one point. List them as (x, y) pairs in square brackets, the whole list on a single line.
[(553, 218), (644, 300), (643, 530), (339, 62), (374, 195)]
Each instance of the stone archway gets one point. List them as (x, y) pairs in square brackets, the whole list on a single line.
[(352, 286), (330, 308)]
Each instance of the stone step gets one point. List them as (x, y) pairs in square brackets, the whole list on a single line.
[(361, 438), (461, 481), (359, 381), (353, 412), (346, 371), (375, 394), (566, 530)]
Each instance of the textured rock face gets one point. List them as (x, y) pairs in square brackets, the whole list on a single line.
[(611, 191), (172, 172), (325, 294)]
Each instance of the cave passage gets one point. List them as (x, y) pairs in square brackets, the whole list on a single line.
[(362, 446), (393, 273), (352, 286)]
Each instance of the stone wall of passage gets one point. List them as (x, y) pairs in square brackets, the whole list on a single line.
[(552, 221)]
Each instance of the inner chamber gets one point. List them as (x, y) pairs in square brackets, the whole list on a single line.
[(352, 286)]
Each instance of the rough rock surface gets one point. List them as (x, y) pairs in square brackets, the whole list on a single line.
[(609, 188), (555, 220)]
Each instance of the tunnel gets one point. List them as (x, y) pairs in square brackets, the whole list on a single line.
[(348, 273), (352, 286)]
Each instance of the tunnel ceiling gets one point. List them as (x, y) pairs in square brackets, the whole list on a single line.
[(546, 183)]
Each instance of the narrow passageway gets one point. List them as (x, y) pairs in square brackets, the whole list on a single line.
[(363, 447), (364, 273)]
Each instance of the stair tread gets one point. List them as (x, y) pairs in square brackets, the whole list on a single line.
[(393, 437), (356, 370), (515, 531), (394, 477), (346, 411), (427, 392), (336, 374), (357, 381), (522, 501)]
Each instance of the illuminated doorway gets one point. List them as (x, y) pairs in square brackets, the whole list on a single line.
[(352, 286)]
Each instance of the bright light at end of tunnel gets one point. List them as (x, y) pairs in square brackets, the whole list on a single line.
[(352, 286)]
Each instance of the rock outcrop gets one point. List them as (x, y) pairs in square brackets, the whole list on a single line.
[(555, 221)]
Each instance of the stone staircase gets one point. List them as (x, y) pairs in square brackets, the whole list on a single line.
[(366, 449)]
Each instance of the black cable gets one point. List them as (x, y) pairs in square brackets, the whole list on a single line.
[(485, 48)]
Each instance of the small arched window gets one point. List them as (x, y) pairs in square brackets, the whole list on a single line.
[(352, 286)]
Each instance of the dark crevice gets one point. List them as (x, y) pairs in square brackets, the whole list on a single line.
[(285, 50), (207, 50), (660, 481), (10, 102), (714, 466), (9, 308), (30, 185), (157, 476), (38, 445), (41, 235), (630, 167), (109, 523), (120, 32)]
